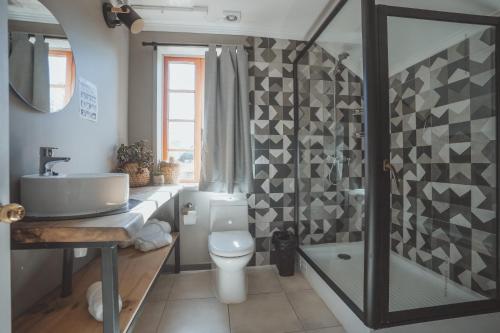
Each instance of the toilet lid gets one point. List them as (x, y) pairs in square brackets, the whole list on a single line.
[(230, 243)]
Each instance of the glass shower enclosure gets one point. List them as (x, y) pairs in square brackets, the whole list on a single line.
[(396, 136)]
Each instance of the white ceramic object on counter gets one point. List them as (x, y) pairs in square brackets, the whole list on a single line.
[(73, 194), (231, 247), (158, 180)]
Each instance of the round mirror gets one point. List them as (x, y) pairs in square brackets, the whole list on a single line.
[(41, 63)]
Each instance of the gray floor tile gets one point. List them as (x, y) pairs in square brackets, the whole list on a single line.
[(194, 316), (161, 288), (150, 317), (191, 285), (311, 310), (294, 283), (264, 313), (262, 280)]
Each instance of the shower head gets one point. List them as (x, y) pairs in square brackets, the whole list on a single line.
[(341, 57)]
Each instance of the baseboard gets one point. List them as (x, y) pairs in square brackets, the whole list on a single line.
[(193, 267)]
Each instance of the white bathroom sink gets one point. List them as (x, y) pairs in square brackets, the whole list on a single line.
[(74, 194)]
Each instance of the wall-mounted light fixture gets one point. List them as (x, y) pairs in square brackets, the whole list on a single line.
[(114, 16)]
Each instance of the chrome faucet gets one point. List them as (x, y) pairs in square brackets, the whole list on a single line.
[(47, 161)]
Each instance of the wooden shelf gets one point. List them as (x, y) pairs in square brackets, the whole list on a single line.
[(136, 272)]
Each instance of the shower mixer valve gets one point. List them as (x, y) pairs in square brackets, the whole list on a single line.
[(337, 161)]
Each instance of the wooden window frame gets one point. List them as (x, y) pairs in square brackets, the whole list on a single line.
[(70, 72), (199, 64)]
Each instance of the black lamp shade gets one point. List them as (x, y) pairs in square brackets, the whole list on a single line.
[(131, 19)]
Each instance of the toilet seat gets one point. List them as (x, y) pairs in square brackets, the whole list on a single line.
[(230, 243)]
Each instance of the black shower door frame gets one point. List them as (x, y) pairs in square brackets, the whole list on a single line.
[(375, 312), (380, 134), (352, 306)]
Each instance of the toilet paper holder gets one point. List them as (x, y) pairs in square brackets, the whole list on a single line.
[(187, 208)]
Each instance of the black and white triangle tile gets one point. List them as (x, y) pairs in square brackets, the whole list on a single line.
[(271, 206), (453, 180), (330, 126)]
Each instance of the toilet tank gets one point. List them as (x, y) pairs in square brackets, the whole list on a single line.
[(228, 214)]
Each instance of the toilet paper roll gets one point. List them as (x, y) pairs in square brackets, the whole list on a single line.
[(80, 252), (190, 218)]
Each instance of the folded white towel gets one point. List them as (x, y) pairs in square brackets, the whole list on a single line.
[(166, 228), (165, 225), (153, 235), (94, 300)]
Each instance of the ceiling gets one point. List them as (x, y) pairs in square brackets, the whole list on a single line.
[(287, 19), (30, 10), (343, 34), (297, 19)]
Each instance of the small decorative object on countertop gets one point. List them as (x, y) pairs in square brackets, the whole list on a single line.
[(170, 170), (136, 160), (158, 177)]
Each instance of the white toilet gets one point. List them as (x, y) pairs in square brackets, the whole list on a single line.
[(231, 247)]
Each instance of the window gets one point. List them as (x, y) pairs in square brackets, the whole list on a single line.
[(62, 73), (182, 114)]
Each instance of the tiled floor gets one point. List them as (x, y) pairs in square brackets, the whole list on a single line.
[(186, 303)]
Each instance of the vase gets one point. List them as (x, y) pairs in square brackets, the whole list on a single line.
[(170, 172), (158, 180)]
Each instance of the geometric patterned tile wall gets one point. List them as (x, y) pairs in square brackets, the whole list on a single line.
[(271, 206), (443, 145), (331, 152)]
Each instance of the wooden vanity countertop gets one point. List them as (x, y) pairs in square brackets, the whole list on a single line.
[(112, 228)]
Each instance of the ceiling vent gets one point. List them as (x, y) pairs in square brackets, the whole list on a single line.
[(232, 16)]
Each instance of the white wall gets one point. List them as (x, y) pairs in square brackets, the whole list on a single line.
[(101, 56)]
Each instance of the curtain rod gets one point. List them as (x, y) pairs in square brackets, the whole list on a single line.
[(33, 34), (156, 44)]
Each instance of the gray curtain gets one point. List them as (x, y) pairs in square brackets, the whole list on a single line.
[(41, 80), (21, 65), (29, 70), (226, 152)]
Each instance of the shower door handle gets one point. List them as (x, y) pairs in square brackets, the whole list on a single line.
[(387, 166)]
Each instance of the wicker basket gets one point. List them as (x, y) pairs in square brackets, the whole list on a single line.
[(170, 171), (137, 176)]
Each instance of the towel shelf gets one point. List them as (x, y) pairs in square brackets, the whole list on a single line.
[(136, 274)]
